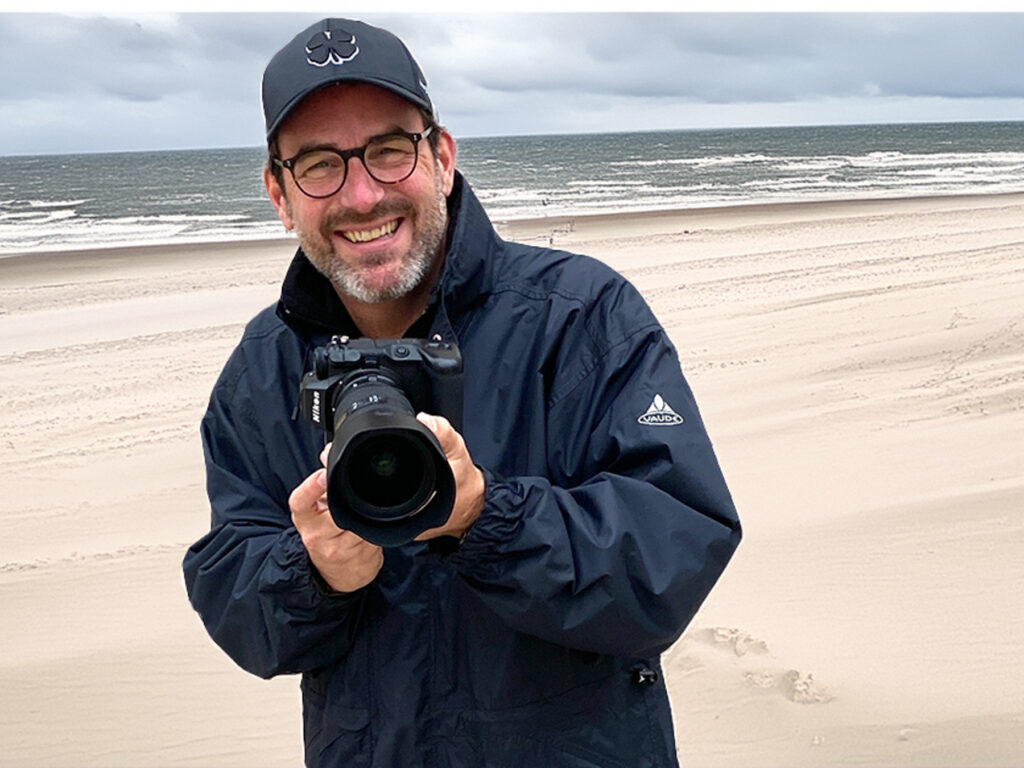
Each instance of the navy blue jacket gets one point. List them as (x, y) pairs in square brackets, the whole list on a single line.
[(536, 641)]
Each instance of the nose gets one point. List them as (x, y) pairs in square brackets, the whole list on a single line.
[(360, 192)]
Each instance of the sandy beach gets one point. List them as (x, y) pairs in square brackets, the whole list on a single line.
[(860, 367)]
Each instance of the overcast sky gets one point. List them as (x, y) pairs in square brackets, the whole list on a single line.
[(74, 83)]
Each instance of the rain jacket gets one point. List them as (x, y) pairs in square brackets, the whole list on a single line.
[(536, 640)]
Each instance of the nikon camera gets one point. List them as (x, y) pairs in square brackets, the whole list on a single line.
[(387, 478)]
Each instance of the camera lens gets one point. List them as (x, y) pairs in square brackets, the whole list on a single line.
[(383, 464), (387, 478), (390, 472)]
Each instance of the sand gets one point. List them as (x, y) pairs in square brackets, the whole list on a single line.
[(860, 366)]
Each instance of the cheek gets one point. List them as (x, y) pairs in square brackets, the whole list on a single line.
[(301, 215)]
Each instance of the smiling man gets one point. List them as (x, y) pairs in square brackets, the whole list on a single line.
[(590, 518), (378, 238)]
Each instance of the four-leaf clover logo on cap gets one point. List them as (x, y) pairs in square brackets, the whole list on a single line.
[(332, 46)]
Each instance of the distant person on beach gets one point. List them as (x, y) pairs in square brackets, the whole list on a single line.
[(589, 519)]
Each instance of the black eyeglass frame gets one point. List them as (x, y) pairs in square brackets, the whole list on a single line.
[(360, 152)]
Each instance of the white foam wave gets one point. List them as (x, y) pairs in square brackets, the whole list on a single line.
[(62, 230), (605, 183), (40, 242), (51, 203), (698, 162)]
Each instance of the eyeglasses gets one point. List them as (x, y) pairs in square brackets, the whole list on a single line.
[(389, 159)]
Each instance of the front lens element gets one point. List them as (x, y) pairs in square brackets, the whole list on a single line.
[(389, 473)]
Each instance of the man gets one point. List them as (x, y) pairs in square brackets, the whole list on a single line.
[(590, 517)]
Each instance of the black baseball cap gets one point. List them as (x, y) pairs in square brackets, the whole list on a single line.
[(338, 51)]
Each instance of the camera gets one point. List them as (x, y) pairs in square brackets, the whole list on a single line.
[(387, 478)]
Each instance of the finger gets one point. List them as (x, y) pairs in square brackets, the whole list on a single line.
[(430, 533), (304, 501), (356, 543), (324, 452), (430, 422), (443, 431)]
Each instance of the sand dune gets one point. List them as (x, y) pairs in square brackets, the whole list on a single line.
[(860, 366)]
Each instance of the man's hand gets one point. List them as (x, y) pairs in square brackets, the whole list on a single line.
[(345, 561), (469, 480)]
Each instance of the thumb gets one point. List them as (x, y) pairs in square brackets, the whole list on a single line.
[(324, 453), (305, 501)]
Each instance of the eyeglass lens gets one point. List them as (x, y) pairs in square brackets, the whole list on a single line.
[(388, 159)]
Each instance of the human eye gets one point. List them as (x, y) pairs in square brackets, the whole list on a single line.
[(393, 149), (317, 165)]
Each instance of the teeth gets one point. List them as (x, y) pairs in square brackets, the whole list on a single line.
[(371, 234)]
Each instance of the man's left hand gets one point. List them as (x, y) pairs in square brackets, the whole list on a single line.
[(469, 480)]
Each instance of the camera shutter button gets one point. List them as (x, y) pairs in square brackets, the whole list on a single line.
[(401, 351)]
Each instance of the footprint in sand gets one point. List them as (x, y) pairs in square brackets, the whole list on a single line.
[(795, 686), (803, 689), (739, 641)]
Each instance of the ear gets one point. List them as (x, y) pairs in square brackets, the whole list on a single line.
[(446, 157), (277, 198)]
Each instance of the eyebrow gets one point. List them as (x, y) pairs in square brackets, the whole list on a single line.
[(304, 148)]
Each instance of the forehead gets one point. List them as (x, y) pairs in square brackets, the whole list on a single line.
[(347, 115)]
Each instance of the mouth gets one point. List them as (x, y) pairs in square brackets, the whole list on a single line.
[(369, 235)]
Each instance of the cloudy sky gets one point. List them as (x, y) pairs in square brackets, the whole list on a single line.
[(90, 82)]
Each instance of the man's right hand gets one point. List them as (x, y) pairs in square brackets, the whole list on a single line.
[(345, 561)]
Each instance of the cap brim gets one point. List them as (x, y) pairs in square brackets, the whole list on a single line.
[(387, 85)]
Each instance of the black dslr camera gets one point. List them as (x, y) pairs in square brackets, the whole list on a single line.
[(387, 478)]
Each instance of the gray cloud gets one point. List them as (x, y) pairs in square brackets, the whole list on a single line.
[(755, 57), (75, 83)]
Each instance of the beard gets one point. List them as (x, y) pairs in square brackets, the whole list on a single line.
[(351, 280)]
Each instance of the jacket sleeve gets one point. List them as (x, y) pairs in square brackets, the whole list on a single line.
[(250, 577), (617, 548)]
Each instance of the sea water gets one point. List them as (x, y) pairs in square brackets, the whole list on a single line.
[(56, 202)]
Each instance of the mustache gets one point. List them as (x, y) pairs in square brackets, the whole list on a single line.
[(348, 220)]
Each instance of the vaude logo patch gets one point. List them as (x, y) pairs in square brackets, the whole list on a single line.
[(332, 46), (660, 414)]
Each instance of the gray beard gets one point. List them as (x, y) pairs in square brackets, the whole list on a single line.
[(415, 264)]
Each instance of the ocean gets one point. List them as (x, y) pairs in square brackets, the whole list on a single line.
[(56, 202)]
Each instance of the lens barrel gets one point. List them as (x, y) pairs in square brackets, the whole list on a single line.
[(387, 478)]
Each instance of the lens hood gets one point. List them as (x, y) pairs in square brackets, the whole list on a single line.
[(387, 478)]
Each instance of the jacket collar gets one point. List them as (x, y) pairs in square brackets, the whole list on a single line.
[(311, 307)]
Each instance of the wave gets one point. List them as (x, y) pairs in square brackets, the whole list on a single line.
[(696, 161), (96, 233), (37, 216), (50, 203)]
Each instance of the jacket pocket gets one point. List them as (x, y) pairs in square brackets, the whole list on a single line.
[(601, 724), (333, 734)]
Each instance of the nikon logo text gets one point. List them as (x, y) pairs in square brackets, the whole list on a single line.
[(316, 407), (660, 414)]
